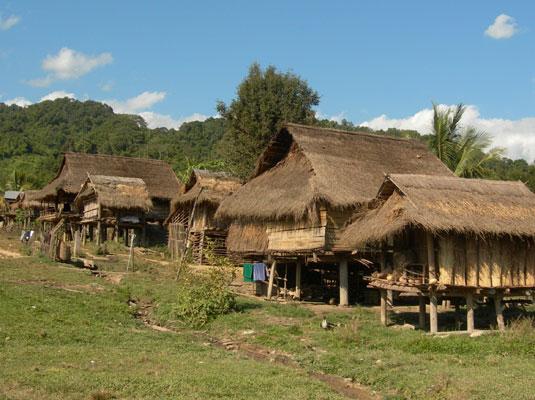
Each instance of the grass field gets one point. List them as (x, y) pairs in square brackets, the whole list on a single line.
[(65, 334)]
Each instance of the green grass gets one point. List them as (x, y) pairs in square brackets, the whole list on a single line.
[(62, 344)]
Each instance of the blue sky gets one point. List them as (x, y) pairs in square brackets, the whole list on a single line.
[(375, 62)]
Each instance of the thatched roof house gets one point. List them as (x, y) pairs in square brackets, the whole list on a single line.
[(193, 211), (448, 236), (445, 204), (158, 176), (115, 193), (30, 199), (305, 169)]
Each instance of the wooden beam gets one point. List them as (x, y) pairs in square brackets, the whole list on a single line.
[(344, 283), (498, 304), (271, 278), (421, 312), (469, 312), (298, 270), (433, 314)]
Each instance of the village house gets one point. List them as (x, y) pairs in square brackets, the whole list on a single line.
[(192, 215), (113, 206), (306, 185), (449, 237)]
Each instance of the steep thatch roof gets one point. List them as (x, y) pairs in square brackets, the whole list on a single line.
[(206, 187), (30, 199), (440, 204), (160, 179), (116, 192), (304, 166)]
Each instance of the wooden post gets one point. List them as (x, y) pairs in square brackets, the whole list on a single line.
[(384, 307), (76, 248), (99, 233), (271, 278), (499, 311), (433, 315), (470, 312), (298, 268), (431, 257), (421, 312), (344, 283)]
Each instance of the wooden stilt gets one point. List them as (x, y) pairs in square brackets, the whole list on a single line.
[(384, 308), (470, 312), (298, 268), (344, 283), (499, 311), (271, 278), (421, 311), (457, 314), (431, 258), (433, 314)]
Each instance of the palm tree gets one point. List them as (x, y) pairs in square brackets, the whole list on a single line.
[(462, 150)]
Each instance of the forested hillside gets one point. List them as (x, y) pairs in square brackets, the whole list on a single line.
[(33, 138)]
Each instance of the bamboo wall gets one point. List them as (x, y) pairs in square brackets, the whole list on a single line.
[(297, 236)]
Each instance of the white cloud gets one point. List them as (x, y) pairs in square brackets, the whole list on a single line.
[(336, 118), (155, 120), (58, 94), (516, 136), (136, 104), (69, 64), (19, 101), (106, 86), (9, 22), (503, 27)]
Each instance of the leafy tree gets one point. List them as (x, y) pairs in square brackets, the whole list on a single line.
[(265, 100)]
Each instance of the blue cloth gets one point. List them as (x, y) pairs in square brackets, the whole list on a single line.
[(259, 272)]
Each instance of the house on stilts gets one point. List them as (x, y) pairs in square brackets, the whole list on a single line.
[(112, 204), (191, 223), (306, 185), (451, 238)]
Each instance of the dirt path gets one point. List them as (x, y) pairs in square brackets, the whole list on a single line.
[(9, 254)]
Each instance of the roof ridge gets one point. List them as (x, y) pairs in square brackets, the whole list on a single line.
[(456, 178), (114, 156), (354, 133)]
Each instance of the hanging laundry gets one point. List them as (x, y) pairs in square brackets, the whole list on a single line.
[(259, 272), (248, 273)]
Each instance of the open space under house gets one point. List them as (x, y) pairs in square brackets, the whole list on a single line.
[(306, 186), (449, 237), (191, 223)]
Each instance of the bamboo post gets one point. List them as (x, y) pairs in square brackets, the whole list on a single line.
[(271, 278), (298, 270), (384, 307), (131, 254), (470, 312), (433, 315), (344, 283), (76, 248), (498, 304), (431, 257), (421, 311)]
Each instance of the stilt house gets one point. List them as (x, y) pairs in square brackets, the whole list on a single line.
[(449, 237), (191, 222), (111, 206), (306, 186)]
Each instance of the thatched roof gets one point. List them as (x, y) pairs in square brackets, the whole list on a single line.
[(247, 238), (444, 204), (304, 166), (160, 179), (116, 192), (30, 199), (206, 187)]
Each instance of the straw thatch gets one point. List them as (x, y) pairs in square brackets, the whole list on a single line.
[(30, 199), (304, 167), (158, 176), (206, 187), (247, 238), (444, 204), (116, 193)]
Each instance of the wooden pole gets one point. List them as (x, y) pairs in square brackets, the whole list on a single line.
[(344, 283), (431, 257), (499, 311), (433, 314), (298, 268), (470, 312), (421, 312), (271, 278), (76, 243), (131, 254), (384, 307)]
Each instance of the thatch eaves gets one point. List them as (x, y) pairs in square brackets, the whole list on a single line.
[(116, 193), (160, 179), (30, 199), (444, 204), (304, 167)]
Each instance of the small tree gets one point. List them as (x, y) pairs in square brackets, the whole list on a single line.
[(265, 99)]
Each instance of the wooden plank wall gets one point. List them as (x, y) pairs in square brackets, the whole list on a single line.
[(491, 262)]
